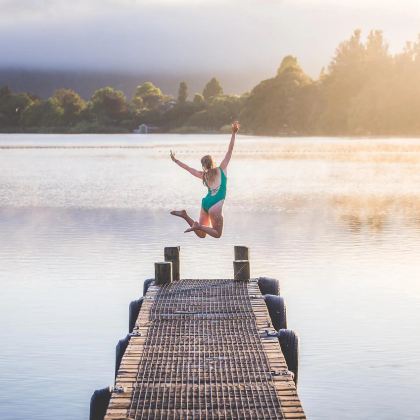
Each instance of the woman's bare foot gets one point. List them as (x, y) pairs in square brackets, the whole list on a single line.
[(179, 213), (195, 226)]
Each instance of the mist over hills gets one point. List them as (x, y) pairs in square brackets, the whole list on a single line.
[(44, 82)]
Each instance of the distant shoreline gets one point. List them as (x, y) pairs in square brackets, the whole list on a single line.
[(208, 132)]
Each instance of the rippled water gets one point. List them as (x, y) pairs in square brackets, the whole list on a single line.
[(83, 219)]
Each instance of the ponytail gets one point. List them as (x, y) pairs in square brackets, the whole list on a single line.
[(209, 169)]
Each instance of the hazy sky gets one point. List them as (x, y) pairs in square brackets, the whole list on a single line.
[(192, 35)]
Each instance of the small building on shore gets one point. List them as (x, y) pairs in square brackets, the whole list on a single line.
[(146, 129)]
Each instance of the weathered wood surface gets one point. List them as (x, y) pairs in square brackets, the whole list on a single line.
[(241, 252), (171, 254), (163, 273), (241, 270), (127, 378)]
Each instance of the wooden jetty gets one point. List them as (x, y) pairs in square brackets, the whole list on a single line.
[(203, 349)]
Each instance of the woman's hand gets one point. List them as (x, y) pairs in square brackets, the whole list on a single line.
[(235, 127), (173, 156)]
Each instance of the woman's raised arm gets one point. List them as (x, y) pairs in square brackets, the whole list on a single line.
[(226, 160), (192, 171)]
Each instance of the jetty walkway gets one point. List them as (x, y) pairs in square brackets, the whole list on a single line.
[(204, 349)]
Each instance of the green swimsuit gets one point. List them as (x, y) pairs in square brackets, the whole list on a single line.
[(210, 200)]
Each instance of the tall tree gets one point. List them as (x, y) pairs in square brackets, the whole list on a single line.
[(148, 96), (221, 110), (182, 93), (212, 89), (198, 100), (42, 113), (12, 105), (367, 107), (109, 105), (279, 105), (344, 79), (71, 103)]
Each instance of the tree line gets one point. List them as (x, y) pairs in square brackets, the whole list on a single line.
[(365, 90)]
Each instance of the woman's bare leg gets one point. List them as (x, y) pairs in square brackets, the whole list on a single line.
[(183, 215), (216, 219), (203, 221)]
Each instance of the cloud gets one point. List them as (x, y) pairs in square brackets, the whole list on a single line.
[(135, 33), (165, 36), (34, 9)]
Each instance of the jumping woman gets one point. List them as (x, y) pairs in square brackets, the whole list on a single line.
[(214, 178)]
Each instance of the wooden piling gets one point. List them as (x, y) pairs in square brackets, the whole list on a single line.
[(241, 270), (163, 273), (241, 253), (171, 254)]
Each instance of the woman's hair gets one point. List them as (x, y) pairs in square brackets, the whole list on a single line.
[(210, 170)]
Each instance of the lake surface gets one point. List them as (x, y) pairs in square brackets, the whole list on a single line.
[(84, 217)]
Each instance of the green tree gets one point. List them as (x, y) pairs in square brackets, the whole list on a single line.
[(182, 93), (137, 103), (71, 103), (222, 110), (344, 79), (12, 105), (5, 91), (289, 63), (198, 100), (148, 96), (280, 105), (404, 88), (354, 92), (109, 105), (177, 116), (212, 89), (367, 108), (42, 113)]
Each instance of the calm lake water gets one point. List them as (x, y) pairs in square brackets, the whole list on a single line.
[(83, 218)]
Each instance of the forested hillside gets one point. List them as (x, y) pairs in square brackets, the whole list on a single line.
[(365, 90)]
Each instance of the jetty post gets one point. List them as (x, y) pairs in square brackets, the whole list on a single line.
[(241, 268), (163, 273), (171, 254), (241, 253)]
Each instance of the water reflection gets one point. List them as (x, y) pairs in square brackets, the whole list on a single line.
[(81, 228), (376, 212)]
